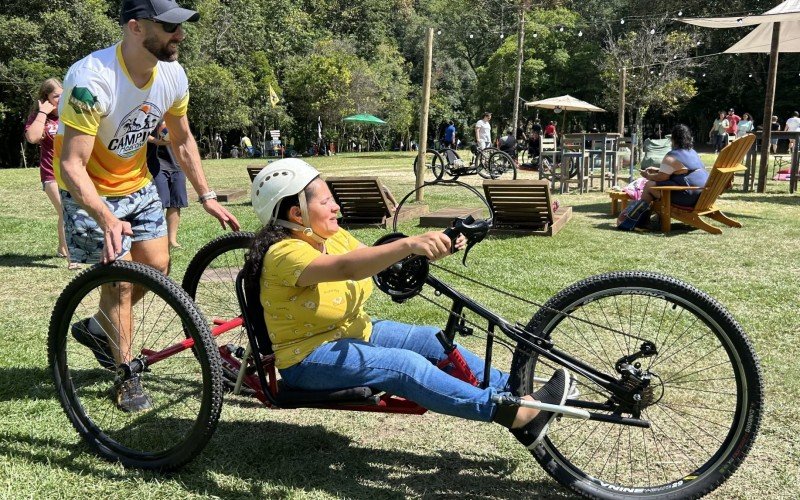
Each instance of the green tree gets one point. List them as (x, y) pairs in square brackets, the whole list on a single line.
[(659, 74), (218, 101)]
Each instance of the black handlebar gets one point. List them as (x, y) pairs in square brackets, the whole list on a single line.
[(474, 230)]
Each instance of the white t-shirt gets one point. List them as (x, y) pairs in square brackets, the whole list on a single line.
[(793, 124), (484, 131), (100, 99)]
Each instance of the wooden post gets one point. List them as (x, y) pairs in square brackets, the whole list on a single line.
[(520, 57), (423, 116), (621, 116), (769, 102)]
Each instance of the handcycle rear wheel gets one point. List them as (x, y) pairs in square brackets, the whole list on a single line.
[(433, 169), (705, 405), (210, 280), (185, 388), (481, 161), (501, 164)]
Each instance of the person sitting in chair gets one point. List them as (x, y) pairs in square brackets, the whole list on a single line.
[(314, 278), (682, 166)]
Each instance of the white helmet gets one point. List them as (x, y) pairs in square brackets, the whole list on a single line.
[(275, 182)]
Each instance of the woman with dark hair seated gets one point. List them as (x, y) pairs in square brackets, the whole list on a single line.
[(680, 167)]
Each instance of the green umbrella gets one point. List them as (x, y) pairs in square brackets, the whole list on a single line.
[(364, 118)]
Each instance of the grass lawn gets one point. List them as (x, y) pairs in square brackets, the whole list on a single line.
[(754, 271)]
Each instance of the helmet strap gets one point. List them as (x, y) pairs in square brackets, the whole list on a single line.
[(307, 231)]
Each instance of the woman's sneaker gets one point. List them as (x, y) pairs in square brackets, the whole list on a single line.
[(98, 343), (554, 392), (130, 397)]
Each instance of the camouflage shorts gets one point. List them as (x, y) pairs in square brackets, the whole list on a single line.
[(85, 238)]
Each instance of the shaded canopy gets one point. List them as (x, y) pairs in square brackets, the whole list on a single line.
[(778, 30), (760, 39), (364, 118), (564, 102)]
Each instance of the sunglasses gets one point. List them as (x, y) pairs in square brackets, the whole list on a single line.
[(167, 27)]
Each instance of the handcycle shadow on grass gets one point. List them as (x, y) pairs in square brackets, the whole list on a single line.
[(272, 457), (23, 260), (28, 383)]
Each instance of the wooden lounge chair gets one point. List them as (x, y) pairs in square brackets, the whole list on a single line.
[(525, 206), (365, 201), (721, 178), (253, 171)]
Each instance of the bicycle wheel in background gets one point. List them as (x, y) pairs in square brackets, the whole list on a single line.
[(501, 165), (210, 280), (481, 161), (184, 389), (433, 170), (704, 402)]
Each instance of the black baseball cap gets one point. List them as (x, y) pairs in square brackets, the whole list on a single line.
[(167, 11)]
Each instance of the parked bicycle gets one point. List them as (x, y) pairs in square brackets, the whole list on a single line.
[(489, 163), (667, 378)]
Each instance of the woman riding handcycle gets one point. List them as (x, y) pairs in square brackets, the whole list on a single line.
[(667, 378)]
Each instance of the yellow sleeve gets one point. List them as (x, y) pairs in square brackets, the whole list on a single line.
[(286, 260), (82, 103), (180, 106), (350, 241)]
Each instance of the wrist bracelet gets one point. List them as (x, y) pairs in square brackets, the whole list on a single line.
[(211, 195), (42, 112)]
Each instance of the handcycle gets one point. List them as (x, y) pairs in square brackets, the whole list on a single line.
[(668, 380), (489, 163)]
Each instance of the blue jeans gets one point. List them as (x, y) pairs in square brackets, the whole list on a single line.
[(399, 359)]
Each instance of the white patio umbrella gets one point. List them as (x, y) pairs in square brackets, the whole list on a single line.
[(565, 103), (778, 30), (562, 104)]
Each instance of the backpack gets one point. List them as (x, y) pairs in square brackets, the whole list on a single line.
[(635, 214)]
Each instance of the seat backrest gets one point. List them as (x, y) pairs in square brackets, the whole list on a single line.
[(361, 200), (727, 164), (520, 203), (547, 144), (253, 170), (573, 144), (253, 314)]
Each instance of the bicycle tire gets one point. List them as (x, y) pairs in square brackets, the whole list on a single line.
[(482, 162), (501, 163), (696, 399), (434, 166), (210, 281), (185, 388)]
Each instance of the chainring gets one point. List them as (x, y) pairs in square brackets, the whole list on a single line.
[(405, 279)]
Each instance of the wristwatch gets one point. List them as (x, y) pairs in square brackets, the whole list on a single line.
[(211, 195)]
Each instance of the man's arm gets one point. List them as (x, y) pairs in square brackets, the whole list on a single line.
[(477, 133), (185, 148), (75, 153)]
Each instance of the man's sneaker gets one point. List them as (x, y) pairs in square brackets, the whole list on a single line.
[(554, 392), (130, 396), (98, 343)]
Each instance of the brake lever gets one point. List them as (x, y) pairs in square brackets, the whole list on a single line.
[(474, 231)]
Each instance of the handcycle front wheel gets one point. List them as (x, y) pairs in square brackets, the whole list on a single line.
[(184, 388), (433, 168), (210, 281), (704, 403)]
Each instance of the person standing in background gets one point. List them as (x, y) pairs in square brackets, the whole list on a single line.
[(793, 125), (450, 135), (746, 125), (169, 179), (733, 122), (773, 142), (41, 128), (483, 131), (719, 132)]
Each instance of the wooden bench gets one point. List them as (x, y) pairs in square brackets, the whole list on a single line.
[(619, 200), (525, 206), (363, 202), (253, 171)]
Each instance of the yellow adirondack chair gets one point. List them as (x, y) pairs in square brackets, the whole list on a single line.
[(728, 163)]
